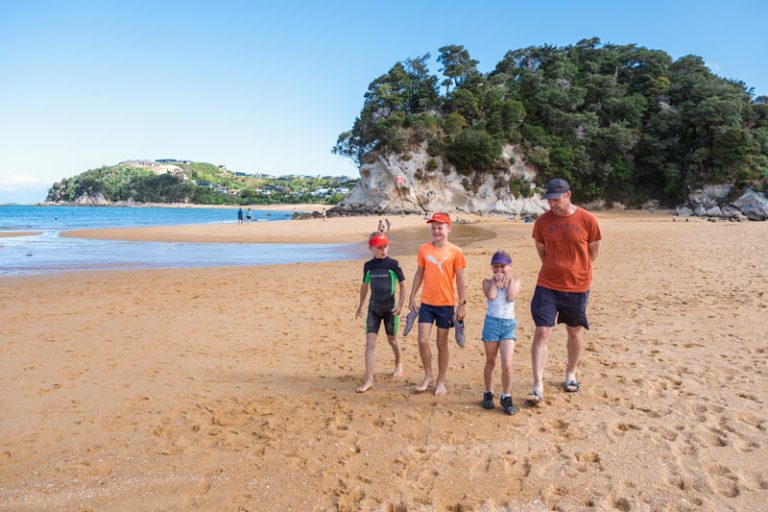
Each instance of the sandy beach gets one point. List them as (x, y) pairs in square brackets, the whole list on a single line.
[(234, 388), (6, 234)]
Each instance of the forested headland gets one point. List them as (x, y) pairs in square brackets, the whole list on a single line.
[(620, 122), (184, 181)]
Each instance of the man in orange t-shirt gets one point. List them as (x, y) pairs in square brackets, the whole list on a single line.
[(567, 240), (439, 263)]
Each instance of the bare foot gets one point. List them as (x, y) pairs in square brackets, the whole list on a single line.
[(365, 387), (398, 371), (424, 384), (440, 389)]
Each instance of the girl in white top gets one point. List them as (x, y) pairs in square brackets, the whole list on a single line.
[(501, 290)]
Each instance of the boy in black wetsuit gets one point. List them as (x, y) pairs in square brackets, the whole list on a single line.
[(381, 274)]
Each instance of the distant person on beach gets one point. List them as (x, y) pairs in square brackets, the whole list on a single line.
[(381, 274), (439, 264), (249, 215), (567, 240), (389, 225), (499, 328), (381, 228), (240, 216)]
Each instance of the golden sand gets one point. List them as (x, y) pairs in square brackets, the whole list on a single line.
[(6, 234), (234, 388)]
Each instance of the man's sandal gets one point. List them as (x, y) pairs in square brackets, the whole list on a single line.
[(534, 397), (571, 386)]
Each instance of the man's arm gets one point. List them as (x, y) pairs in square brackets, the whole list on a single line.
[(540, 249), (417, 280), (594, 248), (461, 289)]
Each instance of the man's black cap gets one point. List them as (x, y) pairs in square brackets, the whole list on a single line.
[(555, 188)]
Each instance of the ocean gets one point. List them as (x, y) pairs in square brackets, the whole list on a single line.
[(49, 253)]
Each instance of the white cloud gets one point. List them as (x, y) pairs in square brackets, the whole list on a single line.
[(20, 181), (714, 66)]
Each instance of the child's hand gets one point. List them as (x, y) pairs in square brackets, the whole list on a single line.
[(507, 281), (359, 312), (397, 309), (498, 280)]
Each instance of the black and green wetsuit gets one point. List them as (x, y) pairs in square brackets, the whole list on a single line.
[(382, 275)]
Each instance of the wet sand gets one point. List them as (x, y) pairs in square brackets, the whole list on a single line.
[(6, 234), (234, 388)]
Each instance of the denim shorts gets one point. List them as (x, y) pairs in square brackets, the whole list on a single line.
[(569, 308), (499, 329), (440, 315)]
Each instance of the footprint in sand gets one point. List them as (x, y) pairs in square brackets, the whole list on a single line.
[(722, 480), (621, 428), (745, 445)]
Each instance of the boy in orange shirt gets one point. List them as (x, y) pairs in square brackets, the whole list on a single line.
[(439, 264)]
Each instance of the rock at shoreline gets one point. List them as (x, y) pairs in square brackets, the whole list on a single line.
[(754, 205), (712, 203)]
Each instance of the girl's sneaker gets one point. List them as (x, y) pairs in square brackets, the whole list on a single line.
[(488, 400), (507, 406)]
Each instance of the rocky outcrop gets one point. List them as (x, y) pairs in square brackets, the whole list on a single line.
[(91, 200), (753, 204), (713, 202), (418, 183)]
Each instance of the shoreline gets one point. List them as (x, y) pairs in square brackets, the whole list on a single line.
[(274, 207), (334, 230), (7, 234)]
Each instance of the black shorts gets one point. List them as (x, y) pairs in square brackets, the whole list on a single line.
[(442, 316), (374, 320), (570, 308)]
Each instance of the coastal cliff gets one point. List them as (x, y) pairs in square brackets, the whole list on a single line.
[(415, 182)]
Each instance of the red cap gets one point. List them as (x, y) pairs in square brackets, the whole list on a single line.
[(378, 241), (443, 218)]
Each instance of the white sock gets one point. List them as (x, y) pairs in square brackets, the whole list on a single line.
[(505, 395)]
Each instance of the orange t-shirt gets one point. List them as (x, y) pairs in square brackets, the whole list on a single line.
[(566, 266), (440, 265)]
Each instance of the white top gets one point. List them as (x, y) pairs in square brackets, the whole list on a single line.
[(500, 307)]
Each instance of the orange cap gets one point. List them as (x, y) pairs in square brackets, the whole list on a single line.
[(443, 218), (378, 241)]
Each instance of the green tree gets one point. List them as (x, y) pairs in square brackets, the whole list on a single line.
[(458, 66)]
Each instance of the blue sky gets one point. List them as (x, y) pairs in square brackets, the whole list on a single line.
[(268, 86)]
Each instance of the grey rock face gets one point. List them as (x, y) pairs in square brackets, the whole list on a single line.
[(754, 205), (710, 201), (418, 183), (710, 196), (713, 212), (88, 200)]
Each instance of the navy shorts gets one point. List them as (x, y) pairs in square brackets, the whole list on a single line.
[(440, 315), (374, 320), (569, 308)]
